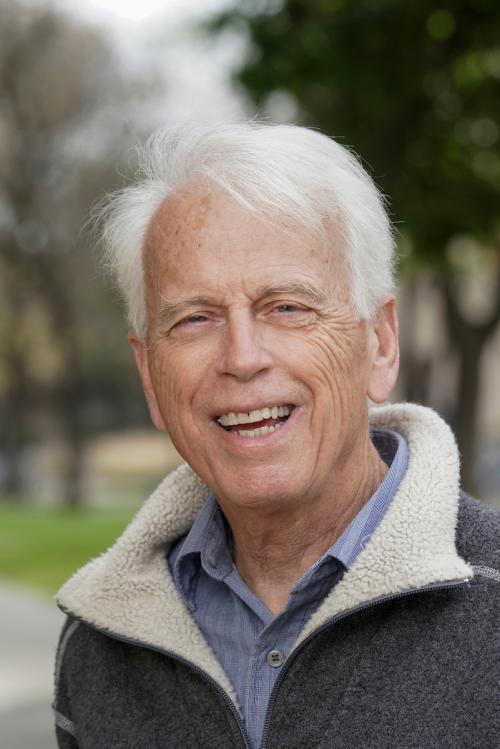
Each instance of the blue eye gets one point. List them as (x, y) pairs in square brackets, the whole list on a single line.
[(193, 320)]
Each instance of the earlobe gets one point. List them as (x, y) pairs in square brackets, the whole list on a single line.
[(141, 360), (385, 357)]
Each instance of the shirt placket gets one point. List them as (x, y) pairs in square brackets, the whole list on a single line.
[(270, 652)]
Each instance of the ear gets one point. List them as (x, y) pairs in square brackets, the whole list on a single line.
[(384, 351), (141, 359)]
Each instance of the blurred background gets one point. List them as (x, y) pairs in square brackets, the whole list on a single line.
[(412, 87)]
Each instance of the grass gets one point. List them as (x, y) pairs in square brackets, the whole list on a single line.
[(42, 547)]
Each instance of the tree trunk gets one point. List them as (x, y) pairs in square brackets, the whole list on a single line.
[(466, 427), (69, 404), (13, 414), (69, 389), (40, 272), (469, 340), (16, 390)]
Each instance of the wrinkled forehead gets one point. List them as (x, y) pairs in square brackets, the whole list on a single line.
[(201, 219)]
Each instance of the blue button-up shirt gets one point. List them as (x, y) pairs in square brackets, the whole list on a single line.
[(235, 622)]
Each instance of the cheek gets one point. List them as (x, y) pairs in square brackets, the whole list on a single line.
[(173, 387), (335, 360), (183, 384)]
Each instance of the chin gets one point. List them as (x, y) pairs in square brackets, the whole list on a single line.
[(262, 491)]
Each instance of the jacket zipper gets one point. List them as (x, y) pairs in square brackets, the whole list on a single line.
[(329, 623), (272, 700)]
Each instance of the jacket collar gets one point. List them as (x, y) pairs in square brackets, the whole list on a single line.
[(129, 592)]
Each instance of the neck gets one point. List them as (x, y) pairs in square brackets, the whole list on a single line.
[(274, 549)]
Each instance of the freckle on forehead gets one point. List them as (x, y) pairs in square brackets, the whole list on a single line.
[(179, 217), (183, 222)]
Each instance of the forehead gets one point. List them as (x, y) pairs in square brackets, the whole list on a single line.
[(204, 236)]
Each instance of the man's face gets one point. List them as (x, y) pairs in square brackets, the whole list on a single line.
[(254, 361)]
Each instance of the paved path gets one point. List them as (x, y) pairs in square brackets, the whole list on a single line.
[(29, 629)]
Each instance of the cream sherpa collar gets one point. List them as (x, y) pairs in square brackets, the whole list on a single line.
[(129, 592)]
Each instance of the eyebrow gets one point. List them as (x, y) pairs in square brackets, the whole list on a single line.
[(170, 308), (292, 288)]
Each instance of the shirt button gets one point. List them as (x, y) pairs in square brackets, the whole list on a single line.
[(275, 658)]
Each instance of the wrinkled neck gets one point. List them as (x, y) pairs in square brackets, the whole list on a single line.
[(273, 549)]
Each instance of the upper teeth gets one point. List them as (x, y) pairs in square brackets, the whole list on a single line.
[(272, 412)]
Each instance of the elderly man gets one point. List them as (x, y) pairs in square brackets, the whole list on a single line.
[(313, 576)]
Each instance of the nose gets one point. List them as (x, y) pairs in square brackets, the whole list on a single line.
[(243, 352)]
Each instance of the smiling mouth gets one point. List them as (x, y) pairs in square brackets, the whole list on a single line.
[(256, 423)]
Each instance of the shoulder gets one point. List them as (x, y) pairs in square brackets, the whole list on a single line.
[(83, 647), (478, 533), (72, 650), (84, 654)]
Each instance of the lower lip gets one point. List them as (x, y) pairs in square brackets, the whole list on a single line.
[(264, 439)]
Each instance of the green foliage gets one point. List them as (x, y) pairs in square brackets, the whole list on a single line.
[(414, 87), (42, 547)]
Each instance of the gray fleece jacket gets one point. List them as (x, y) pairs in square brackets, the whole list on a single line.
[(404, 652)]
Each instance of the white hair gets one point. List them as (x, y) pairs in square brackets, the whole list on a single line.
[(276, 171)]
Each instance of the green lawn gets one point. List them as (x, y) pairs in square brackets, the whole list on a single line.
[(41, 547)]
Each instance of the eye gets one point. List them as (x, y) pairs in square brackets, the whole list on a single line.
[(288, 308), (292, 314), (192, 320)]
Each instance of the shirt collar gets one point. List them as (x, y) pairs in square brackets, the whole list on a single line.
[(209, 540), (208, 543)]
